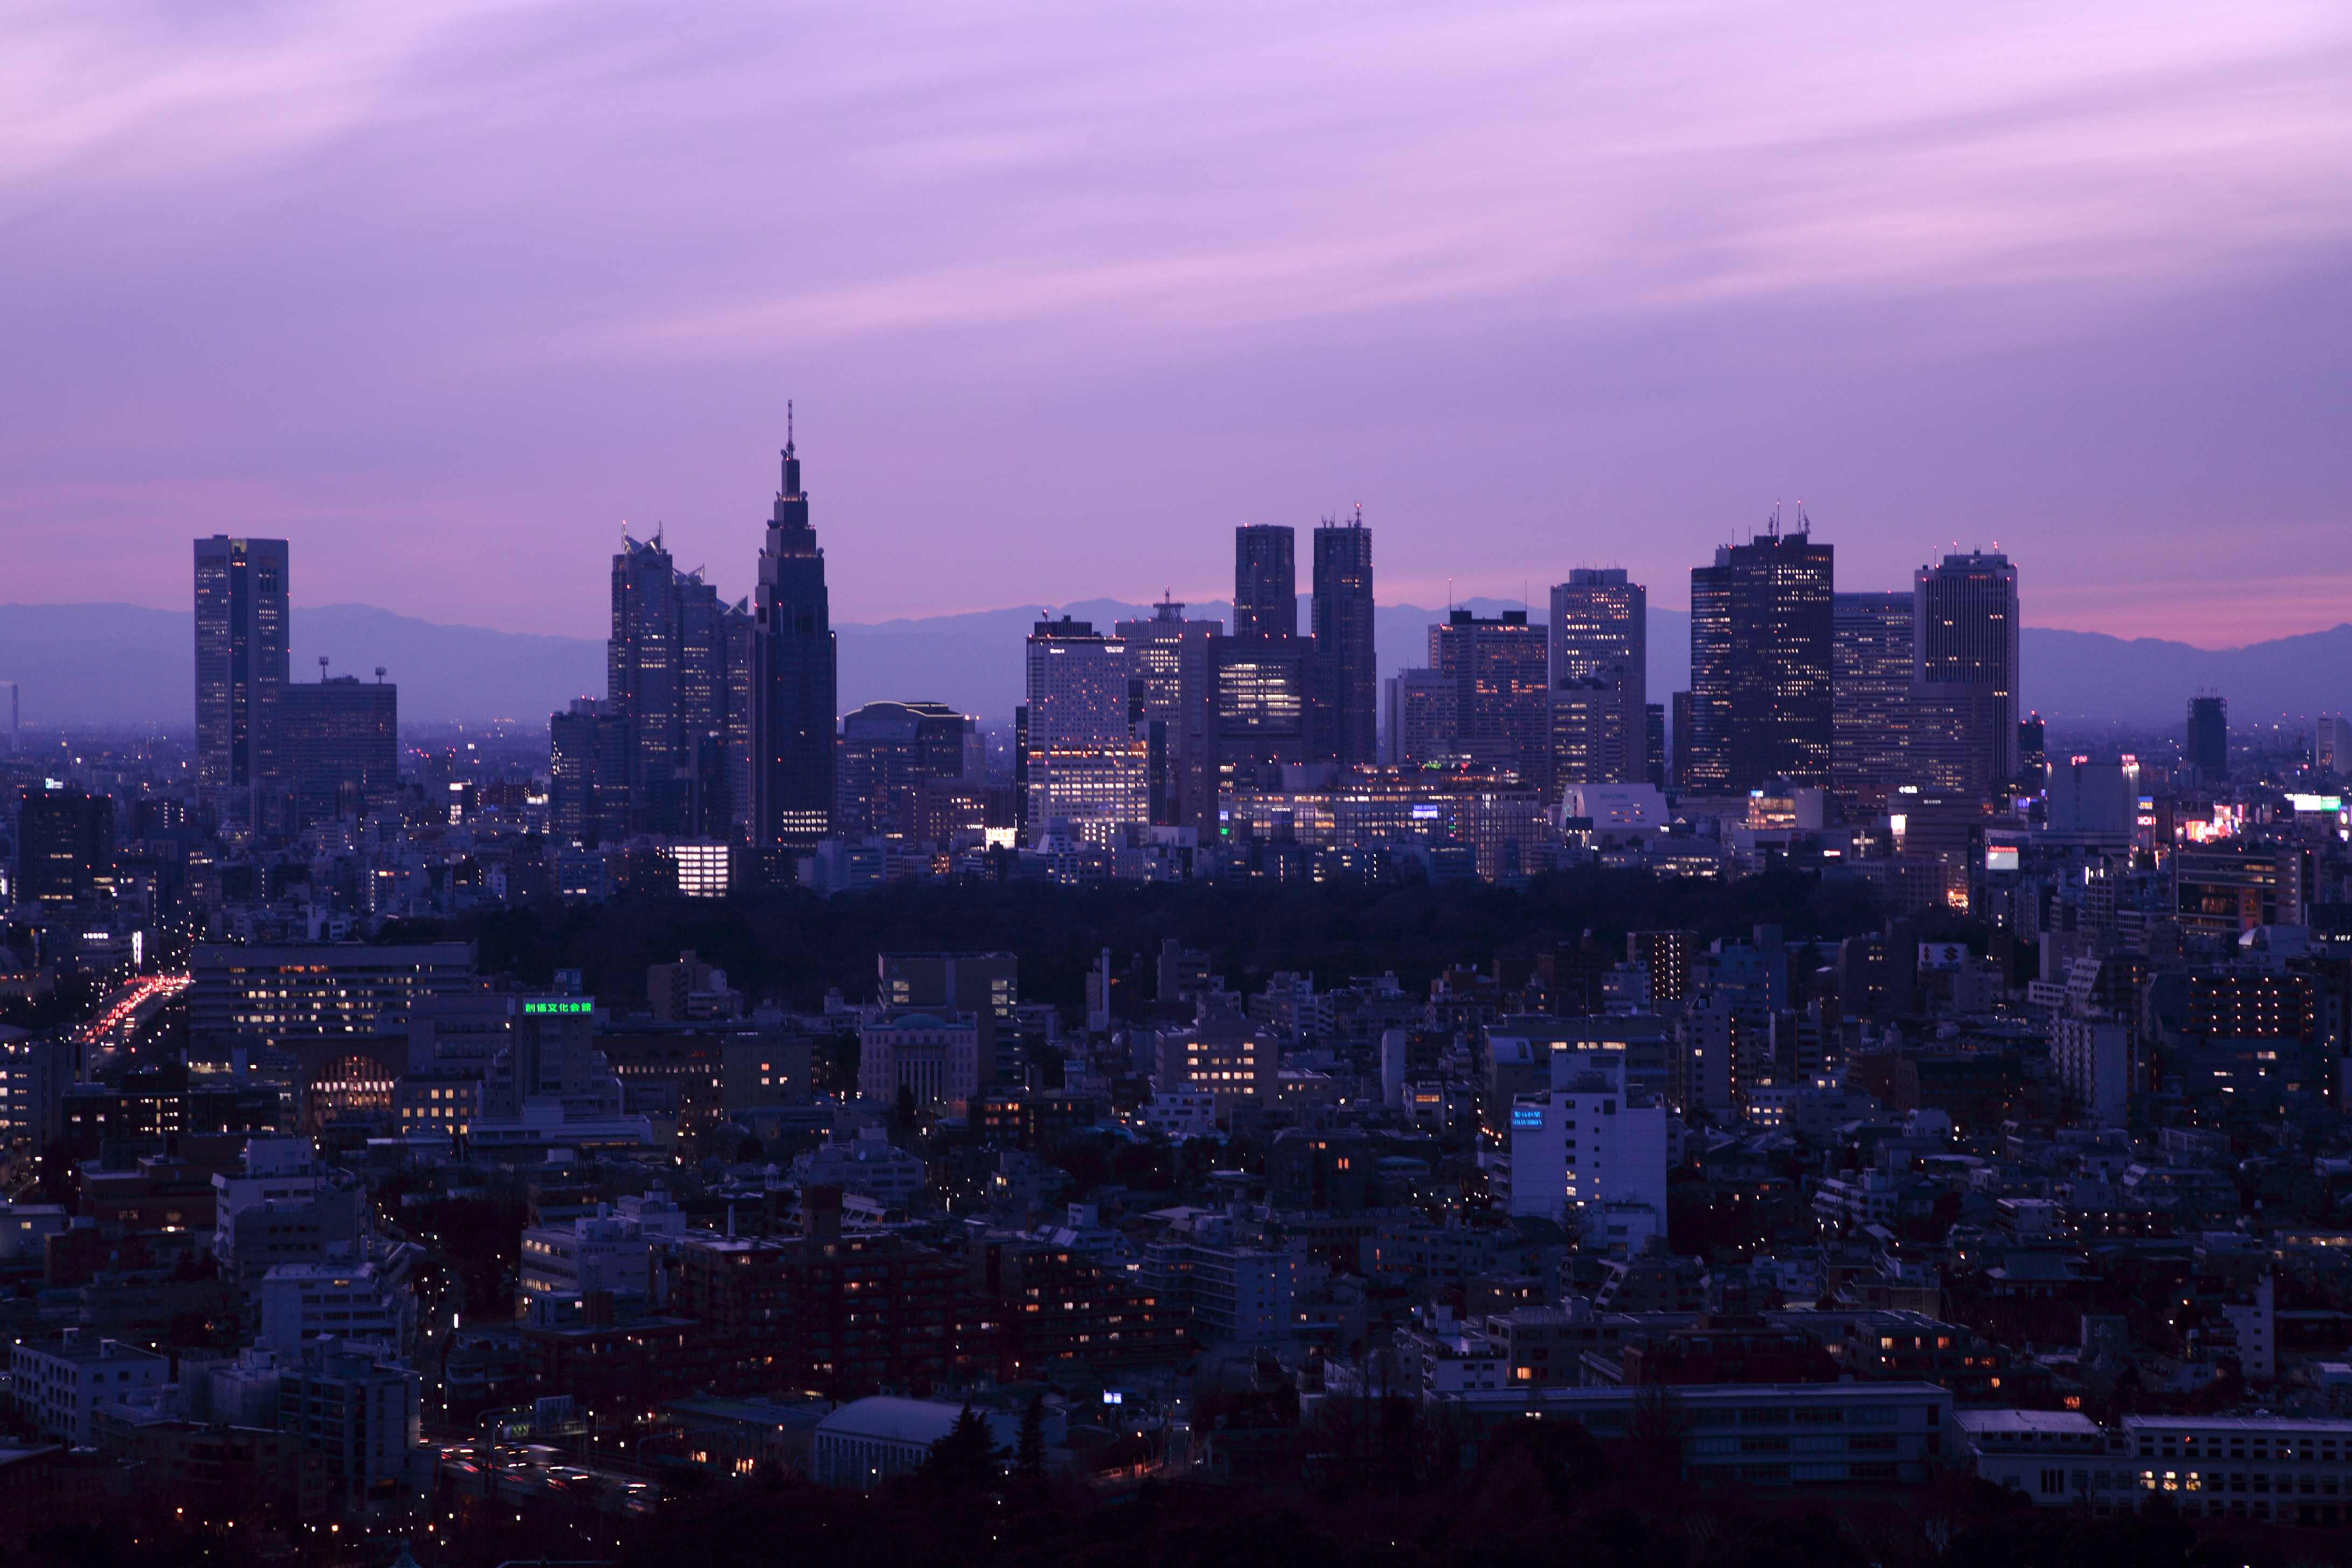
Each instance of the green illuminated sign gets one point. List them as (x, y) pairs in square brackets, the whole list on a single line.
[(581, 1006)]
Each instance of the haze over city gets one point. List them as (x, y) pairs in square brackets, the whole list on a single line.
[(442, 294)]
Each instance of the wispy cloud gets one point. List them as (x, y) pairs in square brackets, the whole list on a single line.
[(507, 266)]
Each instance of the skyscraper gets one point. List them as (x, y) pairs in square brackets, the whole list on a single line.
[(1086, 766), (1270, 701), (2208, 747), (1500, 673), (1591, 721), (1966, 659), (589, 756), (339, 747), (793, 689), (1344, 642), (242, 625), (1760, 650), (1172, 663), (1599, 631), (1871, 661), (888, 752), (668, 676), (1265, 581)]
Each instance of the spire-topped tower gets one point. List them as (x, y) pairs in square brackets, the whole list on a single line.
[(794, 693), (791, 501)]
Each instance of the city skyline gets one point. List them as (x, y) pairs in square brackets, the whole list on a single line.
[(1708, 263), (1632, 995)]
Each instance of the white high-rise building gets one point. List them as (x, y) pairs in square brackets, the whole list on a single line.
[(1587, 1142)]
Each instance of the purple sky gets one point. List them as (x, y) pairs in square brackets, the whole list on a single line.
[(443, 292)]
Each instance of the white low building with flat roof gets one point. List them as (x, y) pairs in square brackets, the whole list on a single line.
[(868, 1441)]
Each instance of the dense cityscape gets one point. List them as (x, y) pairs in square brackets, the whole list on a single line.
[(637, 1132)]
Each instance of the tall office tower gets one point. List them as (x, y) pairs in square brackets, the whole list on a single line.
[(65, 843), (1600, 622), (1423, 717), (1871, 655), (1500, 669), (888, 752), (339, 747), (1761, 641), (1653, 760), (1592, 720), (587, 790), (1965, 612), (1265, 581), (1173, 664), (1344, 640), (10, 698), (642, 676), (1263, 709), (1086, 766), (2208, 748), (793, 692), (668, 675), (242, 625)]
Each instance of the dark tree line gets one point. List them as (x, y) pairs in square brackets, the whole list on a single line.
[(789, 946)]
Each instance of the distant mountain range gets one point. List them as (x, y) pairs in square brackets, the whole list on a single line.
[(123, 666)]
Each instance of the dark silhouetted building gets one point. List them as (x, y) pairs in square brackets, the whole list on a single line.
[(794, 693), (1265, 581), (1964, 668), (588, 745), (65, 843), (888, 752), (1762, 634), (2208, 748), (1344, 641), (670, 680), (339, 747)]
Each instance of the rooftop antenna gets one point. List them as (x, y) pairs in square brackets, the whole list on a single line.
[(323, 669), (788, 426), (379, 675), (1360, 514)]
